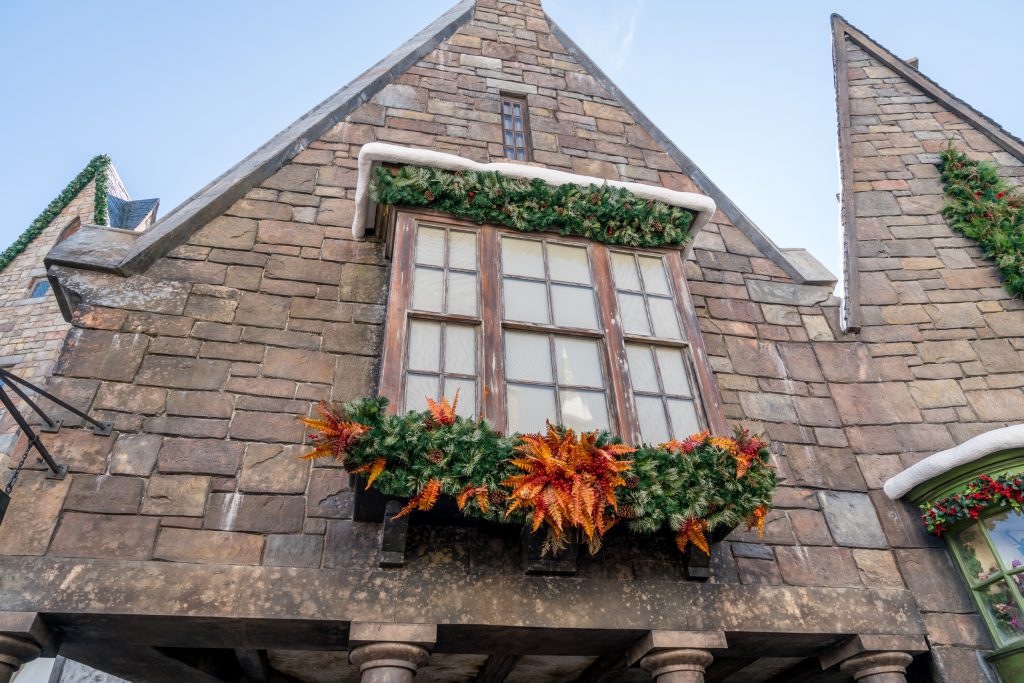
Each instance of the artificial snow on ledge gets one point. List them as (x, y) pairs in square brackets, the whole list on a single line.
[(937, 464), (378, 152)]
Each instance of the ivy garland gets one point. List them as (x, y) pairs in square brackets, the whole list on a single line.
[(983, 206), (612, 215), (975, 497), (575, 485), (96, 168)]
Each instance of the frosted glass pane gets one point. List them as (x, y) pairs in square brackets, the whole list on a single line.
[(673, 372), (427, 289), (522, 257), (684, 418), (430, 246), (663, 313), (460, 349), (642, 373), (425, 346), (467, 395), (462, 293), (526, 301), (633, 313), (579, 362), (624, 270), (574, 307), (655, 279), (418, 388), (529, 408), (584, 411), (653, 425), (462, 250), (527, 357), (568, 264)]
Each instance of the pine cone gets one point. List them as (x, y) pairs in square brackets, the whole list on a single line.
[(435, 456), (628, 511), (429, 196), (497, 497), (632, 481)]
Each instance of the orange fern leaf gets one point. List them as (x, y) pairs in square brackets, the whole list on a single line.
[(692, 531), (374, 468), (424, 500), (687, 445), (757, 519), (335, 436), (443, 412)]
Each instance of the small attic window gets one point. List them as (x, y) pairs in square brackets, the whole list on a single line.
[(515, 126), (39, 288)]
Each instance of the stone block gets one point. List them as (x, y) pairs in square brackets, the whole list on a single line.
[(135, 454), (998, 404), (329, 494), (262, 310), (1007, 324), (299, 364), (955, 315), (80, 450), (203, 546), (355, 338), (817, 566), (294, 178), (956, 629), (851, 519), (800, 362), (178, 495), (200, 456), (961, 665), (997, 355), (340, 212), (227, 232), (769, 292), (755, 571), (265, 514), (810, 527), (211, 308), (883, 403), (113, 537), (876, 203), (364, 283), (197, 427), (768, 407), (878, 568), (816, 412), (183, 373), (290, 233), (351, 544), (754, 357), (936, 583), (32, 514), (262, 426), (293, 550), (846, 362), (831, 468), (303, 269), (104, 493), (100, 354), (255, 208), (939, 393), (200, 404), (270, 468), (130, 398)]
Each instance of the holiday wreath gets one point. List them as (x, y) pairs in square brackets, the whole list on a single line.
[(578, 486), (975, 497), (603, 213)]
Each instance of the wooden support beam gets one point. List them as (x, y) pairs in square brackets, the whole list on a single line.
[(604, 669), (497, 668), (253, 664)]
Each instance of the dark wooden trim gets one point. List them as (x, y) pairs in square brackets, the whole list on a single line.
[(497, 668), (527, 136), (850, 308), (392, 365), (492, 344), (615, 347)]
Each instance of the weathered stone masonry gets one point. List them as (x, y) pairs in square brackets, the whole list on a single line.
[(198, 506)]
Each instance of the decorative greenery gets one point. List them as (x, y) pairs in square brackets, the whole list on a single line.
[(612, 215), (984, 207), (96, 168), (578, 486), (975, 497)]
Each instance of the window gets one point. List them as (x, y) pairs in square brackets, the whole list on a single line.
[(39, 288), (991, 554), (515, 125), (536, 327)]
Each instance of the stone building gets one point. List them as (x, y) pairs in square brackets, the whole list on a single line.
[(193, 544), (32, 329)]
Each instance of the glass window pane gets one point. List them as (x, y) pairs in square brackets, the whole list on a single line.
[(508, 119), (684, 418), (655, 278), (466, 406), (427, 289), (527, 357), (624, 270), (526, 301), (1007, 533), (460, 349), (634, 315), (522, 257), (584, 411), (461, 293), (579, 362), (430, 246), (418, 388), (574, 307), (425, 346), (462, 250), (998, 601), (509, 140), (519, 123), (975, 555), (529, 408), (663, 313), (642, 374), (521, 155), (520, 140), (569, 264), (653, 424), (673, 372), (507, 106)]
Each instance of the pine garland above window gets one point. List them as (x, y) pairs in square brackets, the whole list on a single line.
[(975, 497), (96, 168), (604, 213), (984, 207)]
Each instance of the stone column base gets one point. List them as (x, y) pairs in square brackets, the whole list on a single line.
[(878, 667), (387, 662), (677, 666), (14, 652)]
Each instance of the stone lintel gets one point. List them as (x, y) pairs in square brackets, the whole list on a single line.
[(766, 292), (659, 641), (28, 626), (872, 643), (366, 633)]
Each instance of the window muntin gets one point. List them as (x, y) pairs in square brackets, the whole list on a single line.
[(991, 554), (515, 128), (40, 288)]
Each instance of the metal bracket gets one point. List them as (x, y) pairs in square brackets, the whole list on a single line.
[(53, 427)]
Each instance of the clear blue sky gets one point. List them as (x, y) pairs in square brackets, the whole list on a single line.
[(177, 92)]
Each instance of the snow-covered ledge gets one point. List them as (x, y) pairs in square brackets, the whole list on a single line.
[(376, 152), (969, 451)]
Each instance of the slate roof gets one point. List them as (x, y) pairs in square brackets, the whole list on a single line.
[(128, 214)]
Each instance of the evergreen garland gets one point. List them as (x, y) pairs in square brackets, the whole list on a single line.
[(612, 215), (689, 487), (96, 168), (976, 496), (984, 207)]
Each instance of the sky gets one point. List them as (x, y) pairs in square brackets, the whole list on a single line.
[(178, 92)]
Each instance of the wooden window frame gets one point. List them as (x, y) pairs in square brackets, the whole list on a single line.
[(623, 419), (527, 147)]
